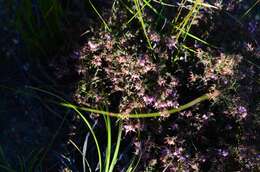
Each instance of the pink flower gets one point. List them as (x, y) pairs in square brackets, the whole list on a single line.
[(135, 77), (121, 59), (171, 43), (241, 110), (76, 55), (92, 46), (170, 140), (97, 61), (81, 70), (154, 37), (129, 128), (161, 81), (149, 100), (142, 62), (223, 153)]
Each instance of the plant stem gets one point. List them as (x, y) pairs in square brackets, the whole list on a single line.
[(202, 98)]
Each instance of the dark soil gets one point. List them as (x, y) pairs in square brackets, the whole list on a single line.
[(28, 124)]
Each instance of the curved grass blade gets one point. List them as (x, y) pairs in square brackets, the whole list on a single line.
[(82, 117), (82, 153), (93, 135)]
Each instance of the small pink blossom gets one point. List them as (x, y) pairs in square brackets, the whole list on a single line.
[(161, 82), (135, 77), (241, 110), (76, 55), (149, 100), (223, 153), (81, 70), (93, 47), (97, 61), (170, 140), (142, 62), (154, 37), (171, 43), (121, 59), (129, 128)]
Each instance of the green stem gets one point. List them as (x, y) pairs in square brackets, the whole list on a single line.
[(147, 115)]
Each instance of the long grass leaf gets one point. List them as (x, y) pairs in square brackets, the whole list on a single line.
[(165, 4), (194, 37), (93, 135), (132, 167), (140, 17), (203, 4), (82, 154), (195, 12), (3, 167), (108, 149), (99, 15), (119, 135), (250, 9), (2, 157), (136, 14)]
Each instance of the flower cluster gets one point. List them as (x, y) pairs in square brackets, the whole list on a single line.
[(122, 75), (136, 81)]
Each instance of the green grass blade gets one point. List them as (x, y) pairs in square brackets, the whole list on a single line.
[(21, 164), (119, 135), (250, 9), (150, 6), (135, 14), (82, 154), (128, 8), (2, 157), (186, 20), (179, 11), (140, 17), (194, 37), (48, 92), (34, 161), (133, 165), (203, 4), (7, 169), (99, 15), (191, 50), (195, 13), (164, 4), (108, 149), (93, 135)]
